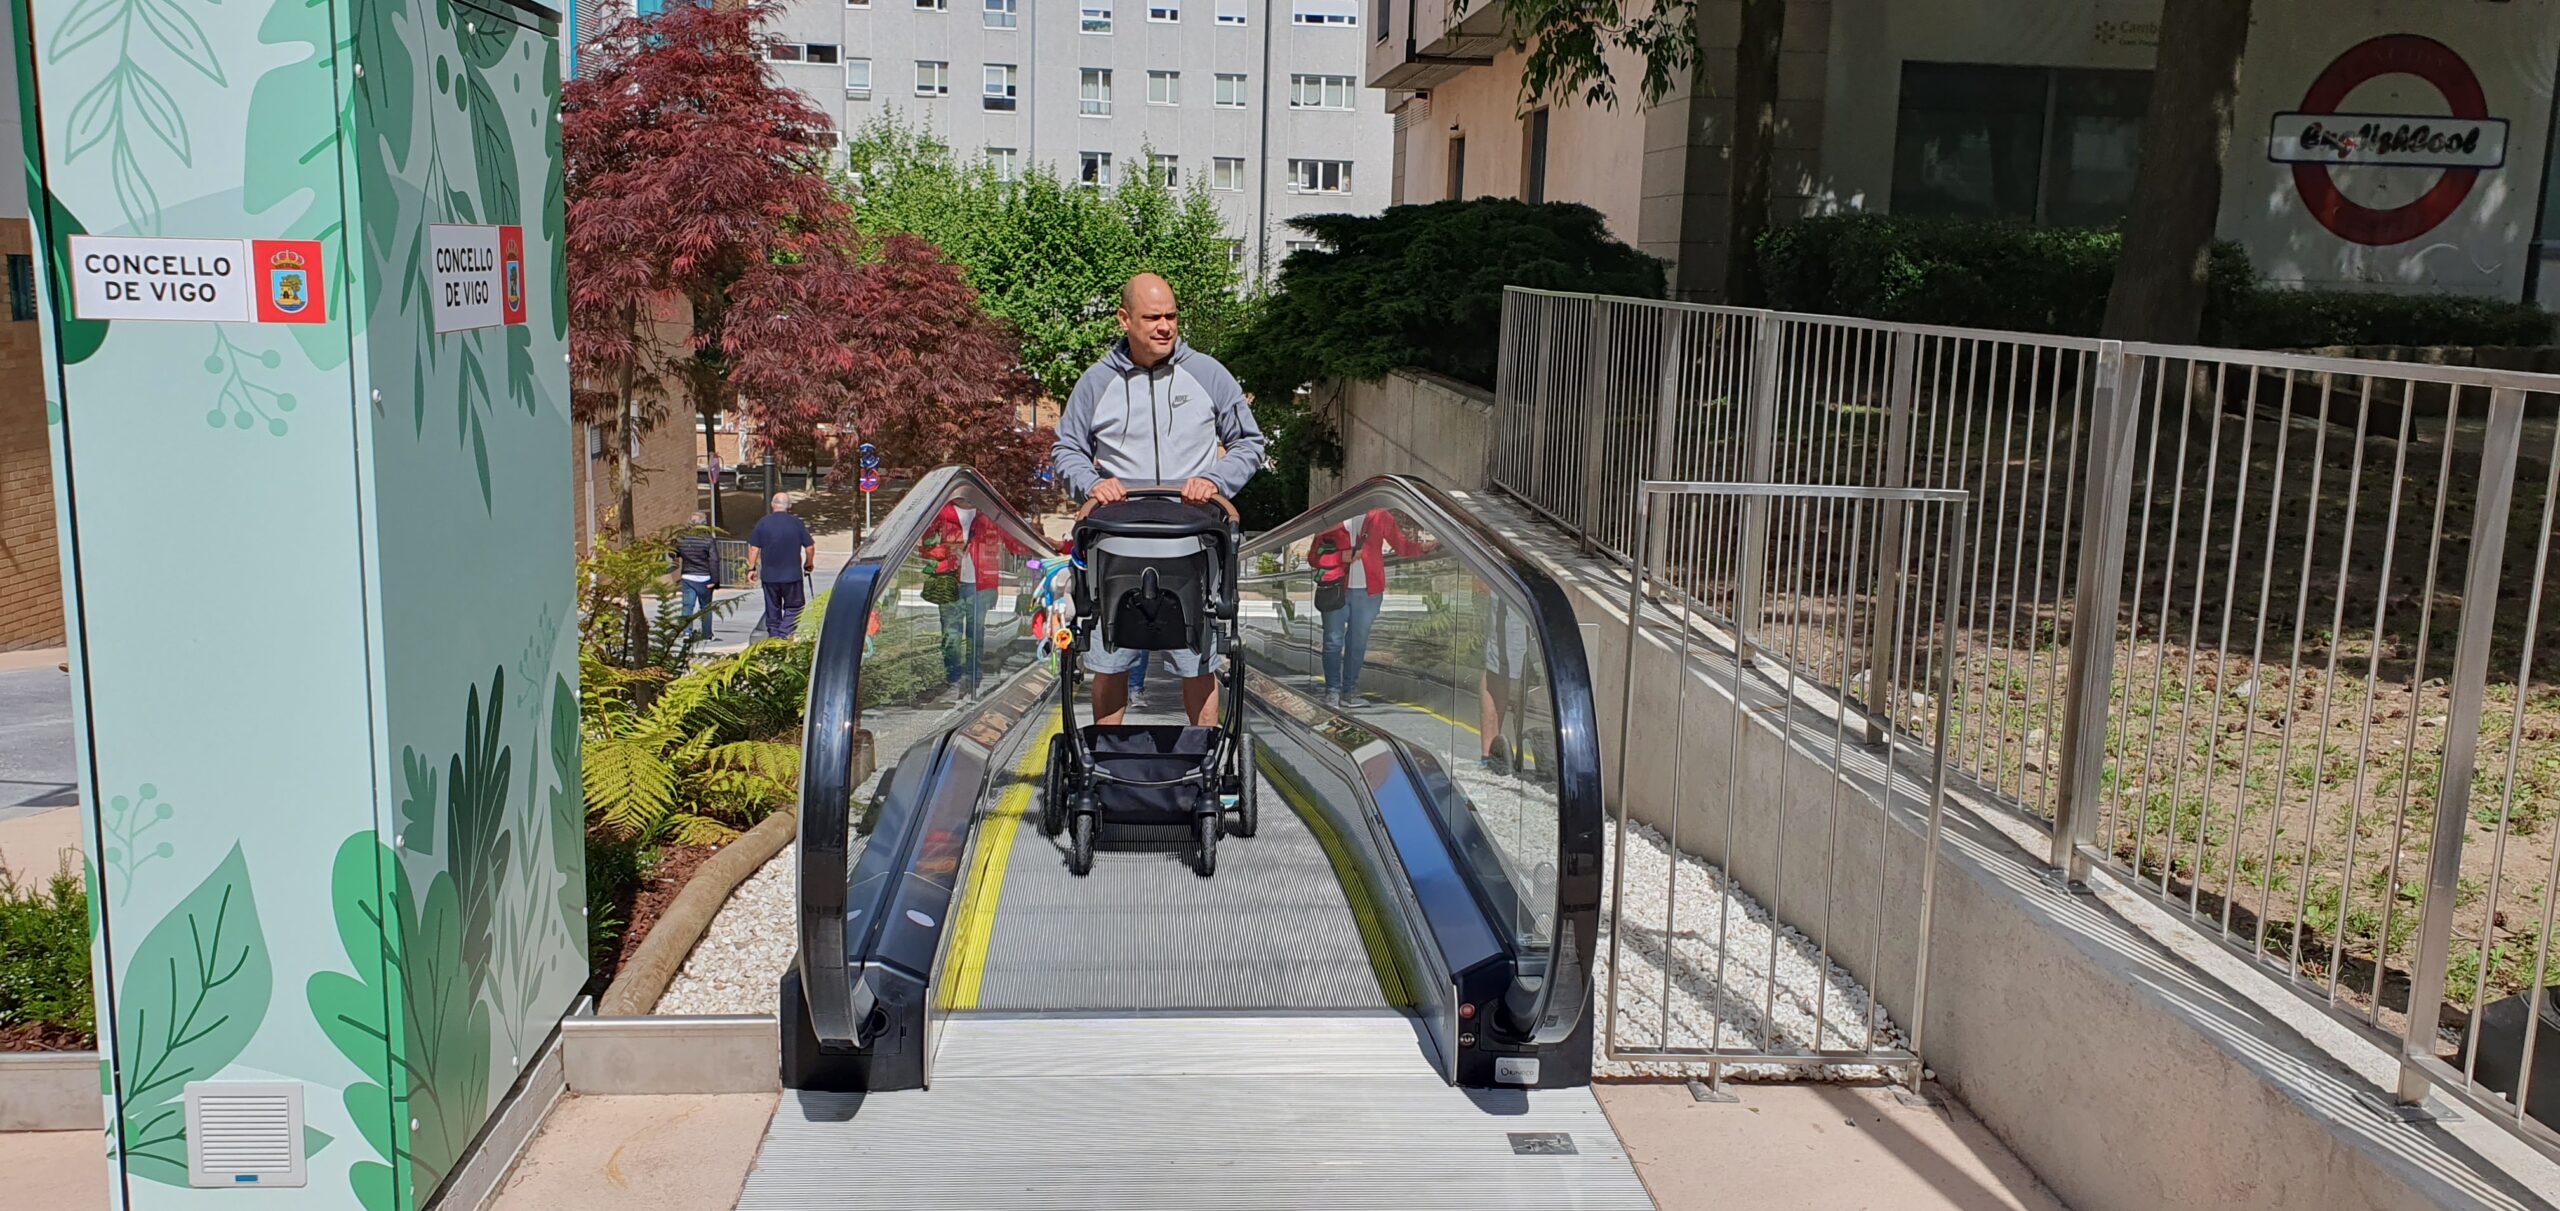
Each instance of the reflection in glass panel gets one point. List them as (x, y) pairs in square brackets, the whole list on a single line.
[(1369, 616), (954, 624)]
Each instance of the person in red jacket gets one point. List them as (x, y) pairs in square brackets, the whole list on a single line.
[(1351, 583), (969, 549)]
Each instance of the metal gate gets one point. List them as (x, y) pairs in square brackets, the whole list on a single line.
[(1774, 864)]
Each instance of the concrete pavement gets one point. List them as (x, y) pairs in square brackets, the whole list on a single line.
[(36, 767), (1815, 1148)]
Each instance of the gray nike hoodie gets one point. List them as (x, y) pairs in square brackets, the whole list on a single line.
[(1159, 427)]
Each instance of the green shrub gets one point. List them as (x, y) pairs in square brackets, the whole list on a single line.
[(44, 959), (2014, 278), (1422, 286), (2312, 319), (2003, 276)]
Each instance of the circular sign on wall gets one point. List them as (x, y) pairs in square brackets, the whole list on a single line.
[(2323, 136)]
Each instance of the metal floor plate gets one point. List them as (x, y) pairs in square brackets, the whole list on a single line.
[(1274, 929), (1190, 1112)]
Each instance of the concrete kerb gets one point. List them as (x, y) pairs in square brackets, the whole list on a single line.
[(2129, 1061), (50, 1091)]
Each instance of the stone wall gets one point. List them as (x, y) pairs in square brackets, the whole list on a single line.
[(1412, 422)]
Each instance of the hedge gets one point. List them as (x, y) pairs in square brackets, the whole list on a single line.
[(2015, 278)]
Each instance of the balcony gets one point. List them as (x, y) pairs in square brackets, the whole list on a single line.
[(1421, 43)]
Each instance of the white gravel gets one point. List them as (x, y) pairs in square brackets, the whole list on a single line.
[(738, 966), (1706, 905)]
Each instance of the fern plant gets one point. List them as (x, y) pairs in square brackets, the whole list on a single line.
[(685, 761)]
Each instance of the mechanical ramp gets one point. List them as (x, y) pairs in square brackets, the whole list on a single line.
[(1381, 999)]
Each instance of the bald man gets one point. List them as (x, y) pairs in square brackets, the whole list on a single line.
[(1155, 413)]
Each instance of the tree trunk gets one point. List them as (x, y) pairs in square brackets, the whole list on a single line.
[(2159, 291), (1755, 137)]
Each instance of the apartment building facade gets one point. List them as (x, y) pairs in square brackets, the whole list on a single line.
[(1259, 102), (2379, 144)]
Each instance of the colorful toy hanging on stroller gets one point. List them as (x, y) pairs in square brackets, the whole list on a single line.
[(1149, 574)]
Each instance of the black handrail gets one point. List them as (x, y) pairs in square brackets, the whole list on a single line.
[(827, 777), (1551, 1009)]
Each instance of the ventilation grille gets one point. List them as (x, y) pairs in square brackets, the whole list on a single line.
[(244, 1134)]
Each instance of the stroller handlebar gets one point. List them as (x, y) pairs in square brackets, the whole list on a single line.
[(1217, 498)]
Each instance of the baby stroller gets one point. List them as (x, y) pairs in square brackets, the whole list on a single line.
[(1152, 574)]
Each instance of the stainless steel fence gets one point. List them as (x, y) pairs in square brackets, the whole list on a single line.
[(2322, 721), (1849, 985)]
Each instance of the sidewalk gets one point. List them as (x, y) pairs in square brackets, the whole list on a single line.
[(39, 779)]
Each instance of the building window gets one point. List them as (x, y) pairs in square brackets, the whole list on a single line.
[(1164, 10), (1319, 176), (1097, 16), (1165, 170), (1235, 252), (1533, 161), (1458, 168), (933, 6), (2044, 145), (857, 3), (1164, 88), (933, 78), (1001, 14), (1006, 161), (1097, 93), (1227, 173), (1325, 12), (22, 287), (1231, 90), (857, 79), (1322, 92), (999, 88), (1379, 19), (1096, 171), (1298, 246), (820, 52), (786, 52), (1230, 12)]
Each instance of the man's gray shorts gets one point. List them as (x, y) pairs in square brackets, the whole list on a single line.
[(1104, 662)]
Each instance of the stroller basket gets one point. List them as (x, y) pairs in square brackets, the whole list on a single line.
[(1151, 769)]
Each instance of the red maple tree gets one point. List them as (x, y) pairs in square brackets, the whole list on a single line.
[(689, 169), (882, 341)]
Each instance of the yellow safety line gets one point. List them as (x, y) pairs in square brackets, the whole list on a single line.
[(966, 968)]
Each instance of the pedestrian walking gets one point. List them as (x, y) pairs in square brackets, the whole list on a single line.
[(697, 558), (781, 555)]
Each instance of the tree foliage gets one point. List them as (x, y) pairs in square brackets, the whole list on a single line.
[(689, 169), (1048, 256), (883, 343), (1422, 286)]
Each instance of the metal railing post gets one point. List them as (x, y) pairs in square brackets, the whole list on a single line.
[(1596, 341), (1533, 479), (2462, 733), (1666, 438), (1884, 698), (1506, 391), (2106, 501), (1763, 402)]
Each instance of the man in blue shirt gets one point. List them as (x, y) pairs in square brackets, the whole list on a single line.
[(781, 555)]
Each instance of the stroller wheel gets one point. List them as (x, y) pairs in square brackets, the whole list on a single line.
[(1248, 806), (1210, 824), (1080, 846), (1053, 789)]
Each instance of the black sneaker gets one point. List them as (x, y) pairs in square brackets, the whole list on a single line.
[(1497, 764)]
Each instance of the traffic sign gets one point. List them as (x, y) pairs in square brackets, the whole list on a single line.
[(870, 457), (870, 481)]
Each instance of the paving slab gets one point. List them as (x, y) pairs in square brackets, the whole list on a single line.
[(1816, 1147), (53, 1171), (671, 1153)]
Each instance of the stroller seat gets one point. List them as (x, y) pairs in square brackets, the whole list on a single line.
[(1154, 573)]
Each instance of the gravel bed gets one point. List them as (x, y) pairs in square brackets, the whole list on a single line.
[(1804, 977)]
